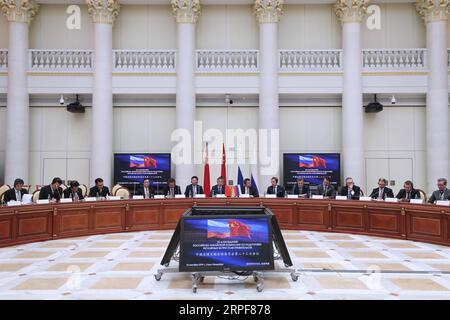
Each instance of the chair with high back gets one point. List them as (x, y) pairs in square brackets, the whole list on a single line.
[(123, 193), (84, 189), (35, 196), (115, 188), (423, 195), (3, 189)]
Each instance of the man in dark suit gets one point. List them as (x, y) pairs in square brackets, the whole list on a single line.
[(52, 192), (408, 192), (382, 192), (219, 188), (301, 188), (74, 192), (99, 190), (16, 193), (350, 190), (171, 189), (194, 188), (247, 188), (275, 188), (326, 189), (147, 190), (442, 193)]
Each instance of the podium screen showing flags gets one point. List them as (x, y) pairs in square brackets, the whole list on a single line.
[(226, 243), (313, 167), (131, 169)]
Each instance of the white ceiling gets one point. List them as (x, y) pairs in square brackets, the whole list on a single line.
[(213, 2)]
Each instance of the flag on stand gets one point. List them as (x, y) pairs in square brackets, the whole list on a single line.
[(240, 181), (223, 171), (254, 176), (206, 179)]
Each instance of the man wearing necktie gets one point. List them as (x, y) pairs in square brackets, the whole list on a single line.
[(16, 193), (442, 193), (219, 188), (274, 188), (382, 192), (52, 192), (147, 190), (326, 189), (247, 188), (350, 190), (172, 189), (194, 188), (408, 192)]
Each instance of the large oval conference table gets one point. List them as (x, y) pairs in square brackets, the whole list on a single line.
[(39, 222)]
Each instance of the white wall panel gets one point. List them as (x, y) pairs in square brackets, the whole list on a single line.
[(49, 31), (227, 27), (145, 27)]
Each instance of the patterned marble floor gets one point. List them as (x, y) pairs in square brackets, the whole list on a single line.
[(121, 266)]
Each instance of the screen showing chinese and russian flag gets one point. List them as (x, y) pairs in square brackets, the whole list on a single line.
[(313, 167), (132, 168), (226, 244)]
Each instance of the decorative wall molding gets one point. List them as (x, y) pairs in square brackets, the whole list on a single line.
[(351, 10), (19, 10), (186, 11), (268, 11), (103, 11), (433, 10)]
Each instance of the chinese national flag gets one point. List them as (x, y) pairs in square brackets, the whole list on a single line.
[(238, 229), (206, 180), (223, 171)]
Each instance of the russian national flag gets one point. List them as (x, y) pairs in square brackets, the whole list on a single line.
[(218, 229), (240, 181), (142, 162), (311, 161)]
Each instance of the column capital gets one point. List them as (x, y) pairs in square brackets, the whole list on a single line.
[(351, 10), (186, 11), (19, 10), (433, 10), (103, 11), (268, 11)]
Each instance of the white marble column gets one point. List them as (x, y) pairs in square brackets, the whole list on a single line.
[(104, 13), (19, 14), (435, 14), (268, 13), (350, 13), (186, 13)]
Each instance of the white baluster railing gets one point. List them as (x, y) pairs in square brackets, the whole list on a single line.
[(394, 59), (310, 60), (144, 60), (227, 60), (3, 59), (61, 60)]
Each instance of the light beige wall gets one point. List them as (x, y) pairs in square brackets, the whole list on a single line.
[(309, 27), (2, 144), (227, 27), (3, 32), (145, 27), (48, 30), (401, 27)]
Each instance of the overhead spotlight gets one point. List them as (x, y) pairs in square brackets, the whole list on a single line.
[(393, 100), (374, 106), (61, 100)]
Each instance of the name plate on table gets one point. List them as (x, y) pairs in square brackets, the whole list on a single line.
[(90, 199), (443, 203), (391, 200), (220, 196), (14, 203), (65, 200), (159, 196), (416, 201), (114, 198), (138, 197), (43, 201), (199, 196), (317, 197), (292, 196), (365, 199), (27, 199), (271, 196), (341, 198), (180, 196), (244, 195)]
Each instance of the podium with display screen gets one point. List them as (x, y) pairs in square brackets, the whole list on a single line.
[(233, 241)]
